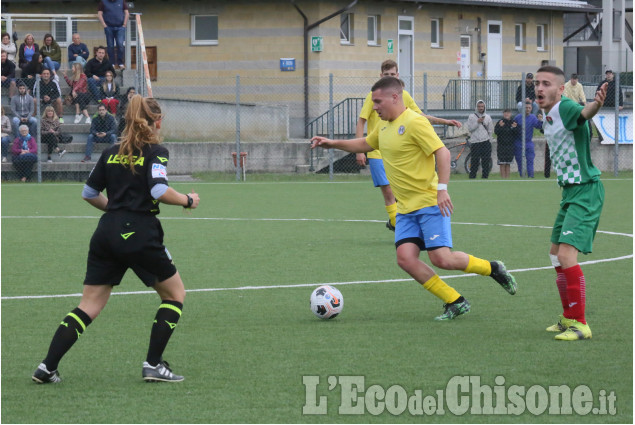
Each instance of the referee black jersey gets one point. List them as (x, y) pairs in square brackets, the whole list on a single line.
[(126, 190)]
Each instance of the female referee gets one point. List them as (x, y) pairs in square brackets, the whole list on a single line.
[(128, 235)]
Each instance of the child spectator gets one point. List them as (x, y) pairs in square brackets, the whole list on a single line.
[(95, 70), (77, 51), (27, 50), (24, 152), (123, 106), (9, 47), (506, 131), (5, 123), (102, 130), (79, 92), (51, 53), (23, 109), (531, 122), (109, 93), (8, 74), (51, 135)]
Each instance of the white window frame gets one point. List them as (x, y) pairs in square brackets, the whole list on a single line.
[(519, 29), (193, 40), (68, 40), (541, 37), (374, 22), (438, 32), (132, 25), (346, 35)]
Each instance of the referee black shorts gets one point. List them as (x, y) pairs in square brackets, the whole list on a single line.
[(125, 240)]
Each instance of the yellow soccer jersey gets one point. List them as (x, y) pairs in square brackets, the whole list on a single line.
[(371, 117), (407, 145)]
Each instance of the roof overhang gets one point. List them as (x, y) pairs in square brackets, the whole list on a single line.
[(568, 6)]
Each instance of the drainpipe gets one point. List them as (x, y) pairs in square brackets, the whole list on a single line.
[(308, 27)]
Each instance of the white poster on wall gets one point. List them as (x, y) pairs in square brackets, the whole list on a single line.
[(605, 123)]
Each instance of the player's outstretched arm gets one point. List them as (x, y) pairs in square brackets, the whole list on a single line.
[(358, 145), (592, 108), (172, 197)]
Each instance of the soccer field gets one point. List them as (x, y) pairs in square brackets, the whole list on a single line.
[(250, 348)]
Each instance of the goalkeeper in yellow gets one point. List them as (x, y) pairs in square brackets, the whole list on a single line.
[(410, 149)]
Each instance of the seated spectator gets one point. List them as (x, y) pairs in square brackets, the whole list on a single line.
[(50, 94), (23, 109), (7, 131), (79, 92), (530, 95), (8, 74), (95, 71), (24, 152), (52, 54), (51, 135), (31, 70), (77, 51), (109, 93), (123, 105), (102, 130), (8, 46), (27, 50)]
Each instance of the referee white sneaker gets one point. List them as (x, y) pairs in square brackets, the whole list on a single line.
[(159, 373)]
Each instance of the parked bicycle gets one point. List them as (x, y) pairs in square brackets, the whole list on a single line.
[(460, 148)]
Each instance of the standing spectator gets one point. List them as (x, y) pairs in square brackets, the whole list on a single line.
[(610, 91), (79, 92), (531, 122), (51, 135), (51, 53), (8, 46), (109, 93), (481, 128), (506, 131), (7, 131), (24, 152), (102, 130), (31, 70), (123, 106), (77, 51), (50, 93), (8, 74), (113, 15), (27, 50), (530, 95), (23, 109), (95, 71), (574, 91)]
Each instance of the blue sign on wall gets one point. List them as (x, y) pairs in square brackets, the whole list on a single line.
[(287, 64)]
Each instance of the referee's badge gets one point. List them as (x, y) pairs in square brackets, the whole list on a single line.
[(402, 130)]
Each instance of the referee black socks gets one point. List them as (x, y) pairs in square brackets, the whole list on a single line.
[(165, 321), (69, 331)]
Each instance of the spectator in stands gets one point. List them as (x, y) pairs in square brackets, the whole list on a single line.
[(8, 74), (52, 54), (23, 109), (24, 152), (481, 127), (610, 91), (31, 70), (109, 93), (102, 130), (79, 95), (8, 46), (27, 50), (530, 95), (506, 131), (123, 106), (77, 51), (51, 135), (531, 122), (95, 71), (574, 91), (7, 132), (50, 93), (113, 15)]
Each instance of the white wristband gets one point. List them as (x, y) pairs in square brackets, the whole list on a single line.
[(442, 186)]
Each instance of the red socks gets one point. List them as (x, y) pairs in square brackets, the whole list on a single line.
[(575, 293)]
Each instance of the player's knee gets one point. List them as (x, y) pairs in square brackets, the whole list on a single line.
[(440, 261), (407, 263)]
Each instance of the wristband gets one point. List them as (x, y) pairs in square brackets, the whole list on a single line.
[(190, 201), (442, 186)]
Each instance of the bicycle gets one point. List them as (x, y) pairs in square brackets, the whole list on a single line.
[(454, 162)]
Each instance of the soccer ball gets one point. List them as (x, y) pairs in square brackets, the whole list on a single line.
[(326, 302)]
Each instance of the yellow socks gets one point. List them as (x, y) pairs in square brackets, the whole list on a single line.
[(392, 213), (441, 290), (478, 266)]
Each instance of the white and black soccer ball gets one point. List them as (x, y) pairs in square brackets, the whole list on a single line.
[(326, 302)]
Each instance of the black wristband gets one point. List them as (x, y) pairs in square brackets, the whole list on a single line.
[(190, 201)]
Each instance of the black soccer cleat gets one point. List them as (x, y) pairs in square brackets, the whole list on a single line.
[(159, 373), (43, 376), (503, 277)]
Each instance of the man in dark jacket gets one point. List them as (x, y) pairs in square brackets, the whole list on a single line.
[(95, 71), (610, 91), (103, 129), (530, 95), (77, 51), (50, 94), (8, 75)]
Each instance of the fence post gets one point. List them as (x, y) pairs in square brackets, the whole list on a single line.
[(616, 162), (331, 124), (425, 93), (239, 160), (523, 86), (38, 136)]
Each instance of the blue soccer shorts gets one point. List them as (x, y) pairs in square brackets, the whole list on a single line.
[(426, 228), (377, 172)]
